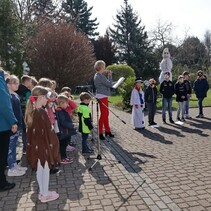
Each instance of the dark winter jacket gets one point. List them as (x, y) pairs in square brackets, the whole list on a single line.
[(24, 94), (200, 88), (180, 90), (188, 86), (16, 106), (66, 127), (150, 94), (167, 89)]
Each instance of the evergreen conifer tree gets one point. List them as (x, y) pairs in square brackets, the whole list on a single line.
[(79, 14), (131, 40)]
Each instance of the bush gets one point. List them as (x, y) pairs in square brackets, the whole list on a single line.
[(121, 70), (125, 90)]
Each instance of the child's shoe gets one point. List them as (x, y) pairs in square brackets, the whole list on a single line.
[(101, 137), (66, 161), (70, 148), (52, 195), (109, 134), (15, 173)]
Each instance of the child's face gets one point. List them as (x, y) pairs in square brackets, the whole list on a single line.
[(166, 77), (43, 100), (64, 105), (87, 101), (13, 86), (28, 84), (139, 84), (181, 80), (186, 77)]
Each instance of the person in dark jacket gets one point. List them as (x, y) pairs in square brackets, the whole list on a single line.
[(167, 91), (189, 92), (181, 97), (66, 127), (150, 97), (8, 123), (24, 93), (200, 87)]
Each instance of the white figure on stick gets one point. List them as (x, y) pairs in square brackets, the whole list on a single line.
[(165, 65)]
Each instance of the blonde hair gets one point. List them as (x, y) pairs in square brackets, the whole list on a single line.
[(62, 99), (45, 82), (34, 81), (99, 65), (12, 79), (29, 114)]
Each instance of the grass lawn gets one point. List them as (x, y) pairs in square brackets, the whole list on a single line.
[(116, 100)]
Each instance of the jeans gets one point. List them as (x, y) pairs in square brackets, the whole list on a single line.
[(200, 101), (187, 102), (4, 146), (84, 142), (167, 103), (11, 159), (181, 109)]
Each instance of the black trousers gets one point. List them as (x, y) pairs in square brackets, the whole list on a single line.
[(152, 109), (63, 146), (4, 147)]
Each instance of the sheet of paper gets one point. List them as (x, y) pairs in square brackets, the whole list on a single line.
[(120, 81)]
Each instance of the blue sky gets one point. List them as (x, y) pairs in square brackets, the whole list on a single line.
[(191, 16)]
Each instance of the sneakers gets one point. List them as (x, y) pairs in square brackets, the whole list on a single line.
[(52, 195), (164, 121), (178, 119), (183, 119), (15, 172), (200, 116), (21, 168), (66, 160), (70, 148)]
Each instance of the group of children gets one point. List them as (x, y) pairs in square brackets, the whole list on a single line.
[(45, 120), (182, 89)]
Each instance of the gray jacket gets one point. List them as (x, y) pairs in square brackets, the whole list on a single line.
[(102, 84)]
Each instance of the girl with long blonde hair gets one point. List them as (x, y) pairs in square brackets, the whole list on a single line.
[(42, 142)]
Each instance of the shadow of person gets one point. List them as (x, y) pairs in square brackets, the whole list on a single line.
[(113, 150), (190, 130), (200, 123), (170, 131), (95, 167), (155, 136)]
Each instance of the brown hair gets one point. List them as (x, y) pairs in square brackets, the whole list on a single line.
[(36, 92), (25, 78), (85, 96), (99, 65), (62, 99), (46, 82), (34, 81), (67, 89)]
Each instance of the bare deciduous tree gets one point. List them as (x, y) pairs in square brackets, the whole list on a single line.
[(60, 52), (161, 34)]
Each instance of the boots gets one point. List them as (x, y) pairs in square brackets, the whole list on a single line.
[(109, 134)]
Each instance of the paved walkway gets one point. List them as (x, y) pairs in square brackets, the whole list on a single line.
[(167, 168)]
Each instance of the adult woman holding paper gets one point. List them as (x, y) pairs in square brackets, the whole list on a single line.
[(103, 86)]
